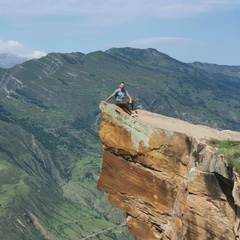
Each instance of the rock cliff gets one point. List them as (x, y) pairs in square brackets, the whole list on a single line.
[(170, 182)]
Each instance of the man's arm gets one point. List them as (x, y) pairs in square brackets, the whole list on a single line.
[(129, 98), (111, 96)]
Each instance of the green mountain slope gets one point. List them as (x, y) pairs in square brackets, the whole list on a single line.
[(184, 91), (50, 152)]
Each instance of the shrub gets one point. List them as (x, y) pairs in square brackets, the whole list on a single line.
[(231, 152)]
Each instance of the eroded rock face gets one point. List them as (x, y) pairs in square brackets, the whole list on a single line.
[(171, 184)]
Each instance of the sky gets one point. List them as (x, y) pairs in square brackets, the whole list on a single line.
[(207, 31)]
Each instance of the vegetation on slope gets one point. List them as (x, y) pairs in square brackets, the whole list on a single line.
[(231, 151)]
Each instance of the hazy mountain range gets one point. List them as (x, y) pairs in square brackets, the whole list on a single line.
[(8, 60), (50, 152)]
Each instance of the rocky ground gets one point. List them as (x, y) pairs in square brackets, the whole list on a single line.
[(177, 125)]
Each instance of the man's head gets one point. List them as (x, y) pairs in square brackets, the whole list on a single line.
[(122, 84)]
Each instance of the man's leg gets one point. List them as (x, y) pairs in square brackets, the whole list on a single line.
[(124, 106), (133, 105), (134, 112)]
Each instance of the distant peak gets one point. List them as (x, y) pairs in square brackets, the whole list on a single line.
[(8, 60)]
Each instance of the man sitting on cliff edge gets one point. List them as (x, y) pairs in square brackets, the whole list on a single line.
[(123, 100)]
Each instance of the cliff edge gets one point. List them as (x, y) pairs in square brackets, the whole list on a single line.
[(170, 182)]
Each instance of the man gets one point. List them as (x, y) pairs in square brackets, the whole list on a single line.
[(123, 99)]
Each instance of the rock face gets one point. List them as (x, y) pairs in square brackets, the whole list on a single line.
[(168, 180)]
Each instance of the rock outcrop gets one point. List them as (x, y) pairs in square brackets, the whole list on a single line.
[(170, 182)]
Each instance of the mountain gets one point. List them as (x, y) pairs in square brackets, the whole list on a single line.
[(50, 151), (8, 60)]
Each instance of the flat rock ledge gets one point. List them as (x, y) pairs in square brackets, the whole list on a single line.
[(164, 174)]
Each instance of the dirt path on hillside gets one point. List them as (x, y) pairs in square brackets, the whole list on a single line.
[(197, 131)]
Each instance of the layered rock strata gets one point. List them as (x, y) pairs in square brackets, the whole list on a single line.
[(170, 182)]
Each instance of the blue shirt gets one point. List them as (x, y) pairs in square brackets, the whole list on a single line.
[(121, 96)]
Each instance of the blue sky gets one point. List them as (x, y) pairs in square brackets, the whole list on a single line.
[(187, 30)]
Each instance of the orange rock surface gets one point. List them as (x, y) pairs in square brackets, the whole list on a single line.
[(165, 176)]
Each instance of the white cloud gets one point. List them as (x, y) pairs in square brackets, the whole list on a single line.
[(35, 54), (9, 45), (112, 10), (19, 49), (159, 42)]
